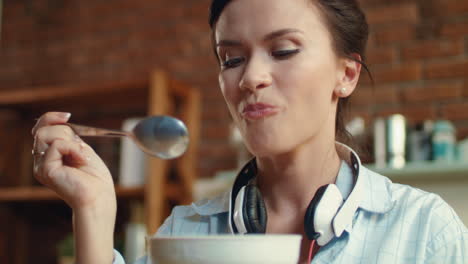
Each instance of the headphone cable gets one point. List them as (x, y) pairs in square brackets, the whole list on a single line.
[(311, 250)]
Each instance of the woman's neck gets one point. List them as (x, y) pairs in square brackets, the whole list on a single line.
[(289, 181)]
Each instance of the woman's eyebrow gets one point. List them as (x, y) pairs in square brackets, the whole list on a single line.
[(281, 32), (268, 37)]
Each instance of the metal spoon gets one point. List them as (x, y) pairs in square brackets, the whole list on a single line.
[(161, 136)]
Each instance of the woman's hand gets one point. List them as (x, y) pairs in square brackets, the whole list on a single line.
[(67, 165)]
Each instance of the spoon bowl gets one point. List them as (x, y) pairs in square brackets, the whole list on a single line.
[(162, 136)]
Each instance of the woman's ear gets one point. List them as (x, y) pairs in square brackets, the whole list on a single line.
[(348, 75)]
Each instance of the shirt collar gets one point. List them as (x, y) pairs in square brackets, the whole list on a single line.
[(373, 189), (377, 194), (217, 205)]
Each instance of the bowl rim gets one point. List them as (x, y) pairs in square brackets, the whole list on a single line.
[(225, 237)]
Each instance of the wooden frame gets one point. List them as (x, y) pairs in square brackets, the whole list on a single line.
[(162, 96), (161, 91)]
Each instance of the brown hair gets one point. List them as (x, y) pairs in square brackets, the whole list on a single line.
[(349, 30)]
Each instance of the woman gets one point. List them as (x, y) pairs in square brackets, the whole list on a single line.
[(286, 70)]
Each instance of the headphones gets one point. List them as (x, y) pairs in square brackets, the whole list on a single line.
[(326, 216)]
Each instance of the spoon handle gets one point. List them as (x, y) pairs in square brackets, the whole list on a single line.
[(96, 132)]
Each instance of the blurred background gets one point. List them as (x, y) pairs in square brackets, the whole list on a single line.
[(110, 61)]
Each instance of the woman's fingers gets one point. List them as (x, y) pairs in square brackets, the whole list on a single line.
[(53, 139), (61, 170), (61, 153), (50, 118), (67, 165), (44, 136), (47, 134)]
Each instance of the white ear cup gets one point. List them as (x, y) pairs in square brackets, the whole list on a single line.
[(238, 215), (325, 211)]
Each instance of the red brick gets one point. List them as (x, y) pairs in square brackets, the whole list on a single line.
[(92, 41), (215, 112), (402, 13), (212, 93), (364, 78), (462, 132), (398, 73), (432, 49), (454, 29), (218, 150), (395, 34), (382, 55), (413, 113), (366, 4), (434, 92), (455, 111), (207, 83), (445, 70), (465, 88), (372, 96), (449, 8), (216, 131)]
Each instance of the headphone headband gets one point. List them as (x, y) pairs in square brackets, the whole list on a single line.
[(346, 213)]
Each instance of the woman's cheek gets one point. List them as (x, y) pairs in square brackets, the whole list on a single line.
[(229, 85)]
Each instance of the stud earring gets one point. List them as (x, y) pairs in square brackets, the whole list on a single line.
[(342, 91)]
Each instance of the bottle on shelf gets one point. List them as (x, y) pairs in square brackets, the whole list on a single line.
[(443, 141)]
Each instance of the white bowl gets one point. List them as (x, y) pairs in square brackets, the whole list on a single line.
[(219, 249)]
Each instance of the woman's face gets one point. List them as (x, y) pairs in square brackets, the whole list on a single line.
[(278, 74)]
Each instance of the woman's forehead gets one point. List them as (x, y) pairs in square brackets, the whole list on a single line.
[(255, 18)]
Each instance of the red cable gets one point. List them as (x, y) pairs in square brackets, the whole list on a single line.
[(311, 249)]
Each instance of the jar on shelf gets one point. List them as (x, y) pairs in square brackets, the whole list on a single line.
[(443, 141)]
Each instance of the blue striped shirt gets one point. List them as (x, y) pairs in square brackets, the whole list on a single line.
[(394, 223)]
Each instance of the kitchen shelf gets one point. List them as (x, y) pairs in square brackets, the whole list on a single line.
[(39, 193), (426, 170), (23, 218), (159, 94)]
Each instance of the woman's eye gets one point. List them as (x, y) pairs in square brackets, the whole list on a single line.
[(234, 62), (284, 54)]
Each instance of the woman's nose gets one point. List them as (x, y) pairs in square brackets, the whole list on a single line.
[(256, 76)]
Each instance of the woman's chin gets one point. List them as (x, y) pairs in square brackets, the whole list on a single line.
[(267, 141), (262, 148)]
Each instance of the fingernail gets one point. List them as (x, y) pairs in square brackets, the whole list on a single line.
[(65, 115), (82, 144), (76, 138), (32, 130)]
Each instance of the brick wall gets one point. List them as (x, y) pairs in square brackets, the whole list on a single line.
[(417, 55)]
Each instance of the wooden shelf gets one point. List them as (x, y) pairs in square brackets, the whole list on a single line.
[(116, 93), (29, 194), (128, 96), (96, 104), (45, 94), (39, 193), (422, 171)]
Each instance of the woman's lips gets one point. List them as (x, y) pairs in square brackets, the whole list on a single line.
[(259, 111)]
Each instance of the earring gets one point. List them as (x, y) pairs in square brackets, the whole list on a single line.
[(343, 91)]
